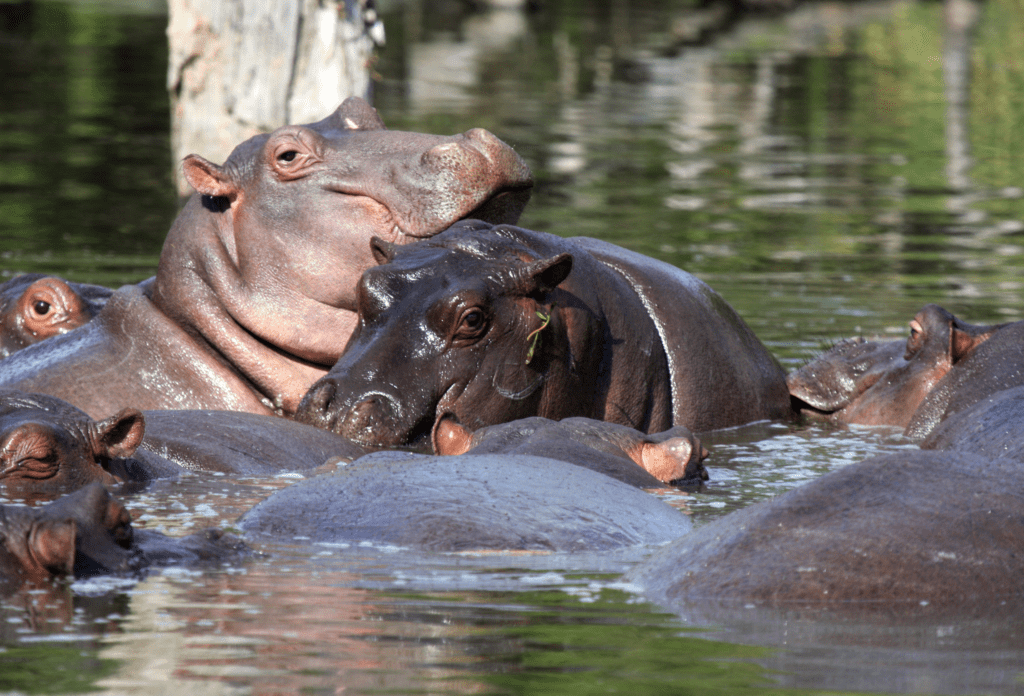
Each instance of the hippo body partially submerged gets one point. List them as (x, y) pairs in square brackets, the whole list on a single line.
[(466, 503), (889, 534), (49, 447), (494, 323), (34, 307), (254, 296), (645, 461), (945, 366)]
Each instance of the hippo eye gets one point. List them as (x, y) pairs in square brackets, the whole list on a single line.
[(41, 308), (473, 321), (288, 156)]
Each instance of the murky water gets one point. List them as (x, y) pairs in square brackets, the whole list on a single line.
[(828, 170)]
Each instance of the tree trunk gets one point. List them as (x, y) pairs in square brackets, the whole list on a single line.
[(242, 67)]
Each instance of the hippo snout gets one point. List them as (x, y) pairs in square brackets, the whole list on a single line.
[(367, 420)]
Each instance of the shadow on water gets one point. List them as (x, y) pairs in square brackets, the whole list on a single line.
[(802, 162)]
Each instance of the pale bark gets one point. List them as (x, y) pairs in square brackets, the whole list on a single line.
[(242, 67)]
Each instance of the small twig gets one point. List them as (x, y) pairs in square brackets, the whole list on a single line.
[(535, 334)]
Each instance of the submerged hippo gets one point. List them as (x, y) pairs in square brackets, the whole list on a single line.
[(34, 307), (255, 293), (946, 365), (49, 447), (466, 503), (892, 533), (494, 323), (87, 533), (645, 461)]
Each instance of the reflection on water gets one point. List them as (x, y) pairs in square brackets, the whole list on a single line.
[(828, 170)]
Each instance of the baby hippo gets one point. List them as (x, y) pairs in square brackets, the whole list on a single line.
[(674, 456), (34, 307)]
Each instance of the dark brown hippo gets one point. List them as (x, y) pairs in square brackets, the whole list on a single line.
[(87, 533), (645, 461), (945, 366), (466, 503), (49, 447), (993, 427), (494, 323), (34, 307), (254, 296), (891, 534)]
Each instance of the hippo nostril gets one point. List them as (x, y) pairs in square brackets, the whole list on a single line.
[(369, 421), (316, 406)]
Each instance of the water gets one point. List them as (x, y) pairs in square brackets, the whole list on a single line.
[(819, 168)]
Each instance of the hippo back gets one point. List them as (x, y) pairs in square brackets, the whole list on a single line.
[(721, 374)]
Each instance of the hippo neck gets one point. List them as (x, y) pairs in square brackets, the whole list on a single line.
[(280, 343)]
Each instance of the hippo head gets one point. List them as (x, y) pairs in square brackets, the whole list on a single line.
[(461, 324), (876, 383), (34, 307), (267, 255), (82, 533), (48, 446)]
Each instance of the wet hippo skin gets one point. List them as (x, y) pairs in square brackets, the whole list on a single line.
[(466, 503), (892, 533), (49, 447), (88, 533), (254, 295), (34, 307), (946, 365), (495, 323), (645, 461)]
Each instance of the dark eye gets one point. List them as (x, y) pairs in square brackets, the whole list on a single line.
[(288, 156), (472, 323), (41, 308)]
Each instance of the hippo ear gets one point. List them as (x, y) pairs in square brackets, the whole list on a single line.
[(120, 435), (356, 114), (546, 274), (450, 437), (964, 338), (51, 545), (383, 251), (208, 178), (49, 306)]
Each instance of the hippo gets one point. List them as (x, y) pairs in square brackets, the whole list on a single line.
[(255, 292), (646, 461), (993, 427), (492, 323), (87, 533), (34, 307), (891, 534), (49, 447), (465, 503), (946, 365)]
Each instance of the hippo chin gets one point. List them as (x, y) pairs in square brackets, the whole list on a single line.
[(34, 307), (466, 503), (494, 323), (255, 293), (945, 365)]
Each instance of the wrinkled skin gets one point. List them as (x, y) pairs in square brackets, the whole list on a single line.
[(34, 307), (495, 323), (944, 366), (88, 533), (254, 296), (466, 503), (48, 447), (646, 461), (890, 534)]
